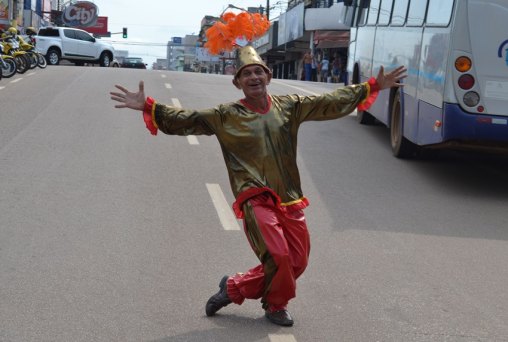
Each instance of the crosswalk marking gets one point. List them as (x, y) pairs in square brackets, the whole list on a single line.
[(226, 216), (167, 85)]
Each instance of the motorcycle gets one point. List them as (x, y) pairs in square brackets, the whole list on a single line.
[(8, 64), (11, 47), (30, 47)]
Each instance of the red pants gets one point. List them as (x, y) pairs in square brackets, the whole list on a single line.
[(280, 239)]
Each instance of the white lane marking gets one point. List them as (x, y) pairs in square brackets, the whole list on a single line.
[(31, 74), (176, 102), (192, 139), (226, 216), (2, 88), (281, 338), (16, 80), (163, 75), (355, 113), (167, 85)]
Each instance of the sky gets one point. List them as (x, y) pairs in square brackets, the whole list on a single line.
[(151, 24)]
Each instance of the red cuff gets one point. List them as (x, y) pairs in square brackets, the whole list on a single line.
[(372, 92), (148, 113)]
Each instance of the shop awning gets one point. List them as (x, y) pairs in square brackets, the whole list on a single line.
[(331, 39)]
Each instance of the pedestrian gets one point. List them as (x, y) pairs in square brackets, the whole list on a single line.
[(258, 136), (314, 69), (336, 69), (324, 69), (308, 60)]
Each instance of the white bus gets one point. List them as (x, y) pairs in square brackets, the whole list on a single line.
[(456, 52)]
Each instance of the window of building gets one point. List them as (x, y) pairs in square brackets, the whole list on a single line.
[(439, 12)]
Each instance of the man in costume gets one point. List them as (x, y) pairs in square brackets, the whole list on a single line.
[(258, 137)]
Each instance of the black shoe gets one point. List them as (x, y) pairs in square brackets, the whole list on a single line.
[(218, 300), (280, 317)]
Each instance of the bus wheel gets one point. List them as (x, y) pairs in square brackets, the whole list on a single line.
[(401, 147)]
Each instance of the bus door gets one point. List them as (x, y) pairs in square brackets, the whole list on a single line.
[(356, 14), (435, 51), (367, 36)]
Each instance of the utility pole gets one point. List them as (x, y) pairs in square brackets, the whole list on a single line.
[(268, 9)]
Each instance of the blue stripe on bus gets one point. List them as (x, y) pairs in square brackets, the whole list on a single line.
[(419, 73)]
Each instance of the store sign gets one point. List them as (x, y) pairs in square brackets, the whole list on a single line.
[(99, 29), (81, 13), (4, 9)]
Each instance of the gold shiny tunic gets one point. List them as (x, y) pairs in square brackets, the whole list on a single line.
[(260, 149)]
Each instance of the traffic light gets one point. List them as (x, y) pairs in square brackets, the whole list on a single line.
[(124, 33)]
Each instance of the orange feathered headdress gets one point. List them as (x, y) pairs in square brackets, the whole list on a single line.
[(222, 35)]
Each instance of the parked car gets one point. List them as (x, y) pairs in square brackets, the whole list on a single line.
[(74, 45), (133, 62)]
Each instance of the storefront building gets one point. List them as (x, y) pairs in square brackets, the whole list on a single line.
[(24, 13), (308, 26)]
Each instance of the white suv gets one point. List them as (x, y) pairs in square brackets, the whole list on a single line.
[(74, 45)]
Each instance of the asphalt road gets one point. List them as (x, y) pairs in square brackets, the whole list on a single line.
[(110, 234)]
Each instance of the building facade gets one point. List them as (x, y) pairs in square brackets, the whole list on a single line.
[(316, 26), (25, 13), (181, 53)]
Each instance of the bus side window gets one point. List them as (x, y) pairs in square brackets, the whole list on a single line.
[(373, 12), (416, 13), (362, 10), (399, 12), (385, 12), (439, 12)]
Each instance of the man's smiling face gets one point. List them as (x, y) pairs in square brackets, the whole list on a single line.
[(252, 80)]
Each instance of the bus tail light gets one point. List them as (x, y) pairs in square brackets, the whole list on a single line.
[(463, 64), (471, 98), (466, 81)]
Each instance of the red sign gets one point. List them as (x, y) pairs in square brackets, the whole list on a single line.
[(100, 27)]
